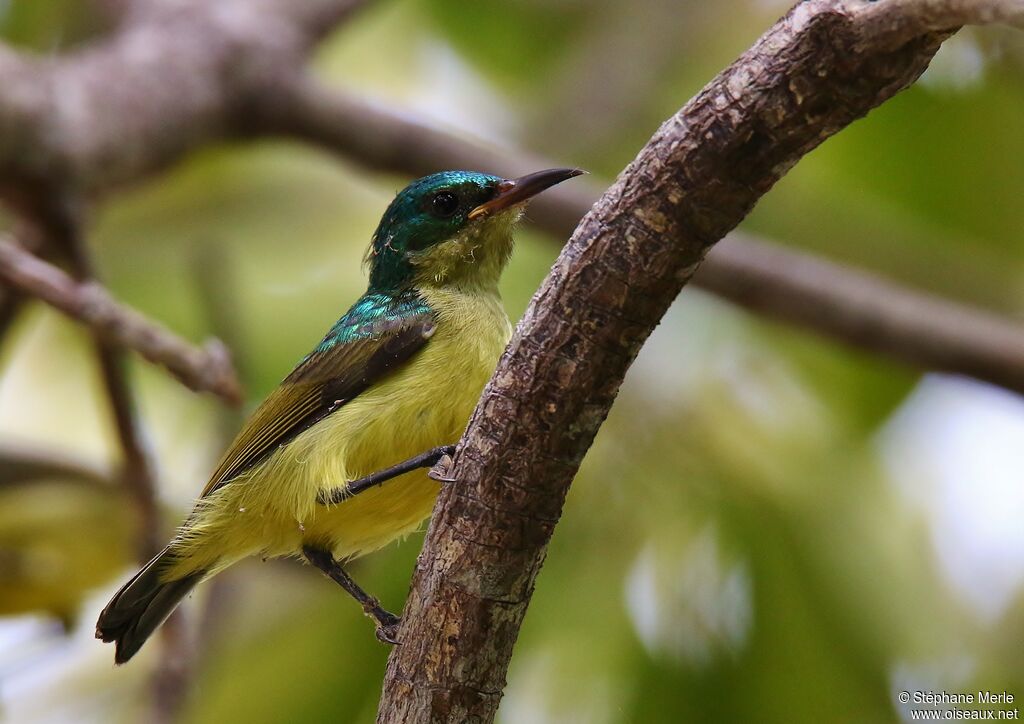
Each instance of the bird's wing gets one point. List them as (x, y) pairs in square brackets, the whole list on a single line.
[(351, 358)]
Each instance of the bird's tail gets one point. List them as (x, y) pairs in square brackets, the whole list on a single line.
[(141, 605)]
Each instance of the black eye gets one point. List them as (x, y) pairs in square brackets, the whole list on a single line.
[(444, 204)]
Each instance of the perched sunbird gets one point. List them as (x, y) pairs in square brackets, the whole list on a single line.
[(398, 374)]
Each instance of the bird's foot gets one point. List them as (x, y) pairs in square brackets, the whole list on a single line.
[(442, 470), (439, 458), (387, 626)]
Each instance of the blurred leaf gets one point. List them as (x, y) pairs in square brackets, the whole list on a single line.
[(860, 389), (64, 530), (48, 25)]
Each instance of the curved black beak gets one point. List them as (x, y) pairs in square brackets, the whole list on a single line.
[(517, 190)]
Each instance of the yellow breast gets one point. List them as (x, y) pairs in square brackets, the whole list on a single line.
[(425, 403)]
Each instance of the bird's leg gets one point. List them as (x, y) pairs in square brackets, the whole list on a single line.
[(424, 460), (387, 622)]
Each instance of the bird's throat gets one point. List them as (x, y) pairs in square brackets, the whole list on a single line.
[(472, 260)]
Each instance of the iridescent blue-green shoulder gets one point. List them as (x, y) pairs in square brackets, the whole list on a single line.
[(372, 315)]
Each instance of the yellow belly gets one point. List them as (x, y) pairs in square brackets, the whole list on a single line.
[(273, 511)]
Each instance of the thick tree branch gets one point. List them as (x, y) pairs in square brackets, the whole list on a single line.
[(206, 369), (807, 78), (834, 300)]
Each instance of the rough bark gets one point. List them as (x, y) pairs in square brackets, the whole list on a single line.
[(807, 78)]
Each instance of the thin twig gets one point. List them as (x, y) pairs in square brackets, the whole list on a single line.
[(206, 369), (59, 223), (22, 464), (26, 238)]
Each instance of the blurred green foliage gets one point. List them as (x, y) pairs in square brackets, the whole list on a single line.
[(735, 548), (523, 39), (49, 25), (64, 530)]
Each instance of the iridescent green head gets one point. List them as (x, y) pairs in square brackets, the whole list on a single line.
[(452, 228)]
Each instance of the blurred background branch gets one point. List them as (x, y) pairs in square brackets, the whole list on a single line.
[(203, 369), (59, 221)]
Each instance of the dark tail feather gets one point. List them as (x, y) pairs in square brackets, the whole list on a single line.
[(141, 605)]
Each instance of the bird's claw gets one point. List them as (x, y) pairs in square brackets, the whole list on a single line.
[(442, 470), (387, 628)]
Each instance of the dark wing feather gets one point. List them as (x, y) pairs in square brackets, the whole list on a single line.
[(336, 372)]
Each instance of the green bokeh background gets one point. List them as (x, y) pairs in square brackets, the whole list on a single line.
[(738, 546)]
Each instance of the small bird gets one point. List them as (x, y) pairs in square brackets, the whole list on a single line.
[(397, 375)]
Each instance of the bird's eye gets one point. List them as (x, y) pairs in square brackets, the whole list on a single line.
[(444, 204)]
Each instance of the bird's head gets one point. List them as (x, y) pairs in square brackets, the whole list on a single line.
[(452, 228)]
